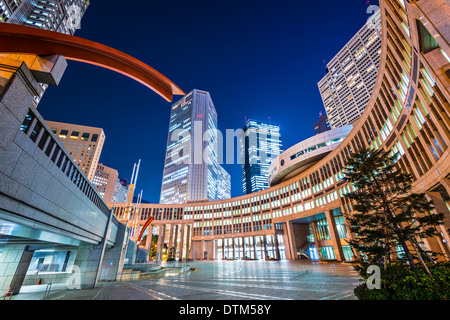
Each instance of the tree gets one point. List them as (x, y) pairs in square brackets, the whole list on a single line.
[(386, 215)]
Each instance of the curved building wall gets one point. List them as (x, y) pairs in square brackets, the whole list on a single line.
[(408, 113), (305, 154)]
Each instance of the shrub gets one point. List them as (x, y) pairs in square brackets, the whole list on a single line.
[(399, 282)]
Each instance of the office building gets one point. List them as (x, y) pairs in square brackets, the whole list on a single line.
[(121, 191), (322, 125), (191, 165), (223, 184), (105, 180), (56, 15), (260, 144), (351, 75), (62, 16), (83, 143)]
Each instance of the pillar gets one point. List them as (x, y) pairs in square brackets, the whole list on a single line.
[(189, 252), (223, 248), (14, 263), (161, 238), (291, 241), (275, 242), (180, 251), (175, 239), (254, 248), (170, 243), (234, 253), (316, 238), (148, 242), (336, 241)]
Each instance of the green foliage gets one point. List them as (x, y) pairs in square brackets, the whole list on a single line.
[(399, 282), (386, 215)]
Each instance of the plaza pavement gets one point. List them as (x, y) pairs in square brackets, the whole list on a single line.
[(225, 280)]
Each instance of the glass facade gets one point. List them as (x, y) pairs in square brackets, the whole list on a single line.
[(260, 144), (191, 169)]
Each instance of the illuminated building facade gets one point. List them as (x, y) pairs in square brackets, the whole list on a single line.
[(351, 75), (51, 15), (83, 143), (105, 180), (191, 166), (260, 144), (303, 216)]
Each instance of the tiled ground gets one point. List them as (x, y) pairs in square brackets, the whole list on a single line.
[(229, 280)]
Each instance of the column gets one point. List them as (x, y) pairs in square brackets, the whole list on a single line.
[(254, 248), (189, 252), (265, 247), (243, 248), (291, 246), (180, 252), (148, 242), (160, 246), (175, 239), (170, 244), (14, 263), (316, 238), (234, 254), (223, 248), (277, 250), (336, 241)]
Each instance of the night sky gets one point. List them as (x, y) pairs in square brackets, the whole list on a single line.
[(258, 59)]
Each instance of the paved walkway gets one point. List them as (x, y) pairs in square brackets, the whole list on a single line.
[(229, 280)]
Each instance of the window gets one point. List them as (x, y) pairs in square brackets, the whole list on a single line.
[(94, 137), (43, 140), (63, 133), (74, 135), (27, 122), (35, 133), (85, 136), (49, 147)]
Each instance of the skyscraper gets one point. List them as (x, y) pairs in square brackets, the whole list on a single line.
[(104, 181), (84, 144), (223, 184), (351, 75), (322, 125), (121, 191), (191, 164), (56, 15), (260, 144)]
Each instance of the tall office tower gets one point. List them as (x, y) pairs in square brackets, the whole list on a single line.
[(84, 144), (223, 184), (56, 15), (260, 144), (351, 75), (121, 191), (322, 125), (191, 164), (105, 180)]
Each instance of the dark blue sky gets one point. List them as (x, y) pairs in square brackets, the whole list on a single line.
[(258, 59)]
